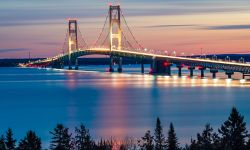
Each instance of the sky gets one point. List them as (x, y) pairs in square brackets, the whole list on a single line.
[(184, 26)]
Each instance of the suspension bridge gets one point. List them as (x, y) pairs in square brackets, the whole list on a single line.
[(118, 41)]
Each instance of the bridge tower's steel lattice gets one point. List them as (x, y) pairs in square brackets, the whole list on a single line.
[(115, 20), (115, 33), (72, 38)]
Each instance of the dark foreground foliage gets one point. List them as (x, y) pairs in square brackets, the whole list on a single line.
[(232, 135)]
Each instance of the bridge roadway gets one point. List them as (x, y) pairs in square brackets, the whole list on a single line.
[(214, 65)]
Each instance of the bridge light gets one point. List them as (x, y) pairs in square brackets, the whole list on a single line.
[(166, 64), (215, 80), (242, 81), (204, 80), (175, 77), (200, 67), (228, 80)]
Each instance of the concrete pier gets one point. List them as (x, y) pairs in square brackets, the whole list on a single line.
[(229, 73), (120, 65), (191, 68), (76, 64), (179, 70), (111, 64), (202, 69), (161, 67), (214, 72)]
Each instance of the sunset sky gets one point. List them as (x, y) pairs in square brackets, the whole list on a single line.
[(39, 26)]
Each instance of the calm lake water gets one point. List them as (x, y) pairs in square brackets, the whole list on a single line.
[(116, 105)]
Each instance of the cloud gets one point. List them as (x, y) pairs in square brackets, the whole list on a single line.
[(48, 43), (228, 27), (6, 50), (172, 26), (27, 23)]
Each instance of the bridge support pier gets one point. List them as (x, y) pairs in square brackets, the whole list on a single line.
[(70, 67), (244, 75), (152, 66), (76, 65), (120, 65), (161, 67), (62, 64), (202, 69), (229, 74), (142, 66), (168, 69), (111, 65), (179, 70), (214, 71), (191, 68)]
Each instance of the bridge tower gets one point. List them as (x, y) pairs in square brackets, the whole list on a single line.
[(115, 34), (72, 39)]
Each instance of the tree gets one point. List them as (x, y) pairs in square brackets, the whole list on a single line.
[(248, 144), (10, 142), (207, 140), (172, 141), (83, 139), (104, 145), (234, 132), (30, 142), (61, 139), (2, 143), (159, 137), (146, 142)]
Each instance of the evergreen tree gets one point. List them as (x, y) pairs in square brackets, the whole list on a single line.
[(10, 142), (30, 142), (159, 137), (172, 141), (61, 139), (193, 145), (83, 139), (146, 142), (248, 144), (208, 140), (104, 145), (234, 132), (2, 143)]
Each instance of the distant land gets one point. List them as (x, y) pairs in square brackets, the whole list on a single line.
[(81, 61), (105, 61)]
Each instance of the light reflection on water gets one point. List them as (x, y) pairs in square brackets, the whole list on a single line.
[(115, 104)]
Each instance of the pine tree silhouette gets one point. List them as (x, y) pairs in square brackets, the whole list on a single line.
[(30, 142), (159, 137), (10, 142), (234, 132), (61, 139), (83, 139), (172, 141), (2, 143), (146, 142), (207, 140)]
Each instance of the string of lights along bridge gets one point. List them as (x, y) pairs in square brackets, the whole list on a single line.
[(117, 40)]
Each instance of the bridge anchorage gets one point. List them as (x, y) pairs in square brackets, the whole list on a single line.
[(117, 41)]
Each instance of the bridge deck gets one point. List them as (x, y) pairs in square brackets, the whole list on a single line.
[(196, 62)]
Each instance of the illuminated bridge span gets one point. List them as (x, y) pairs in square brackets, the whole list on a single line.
[(117, 40)]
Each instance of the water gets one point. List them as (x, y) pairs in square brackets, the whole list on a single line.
[(116, 105)]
